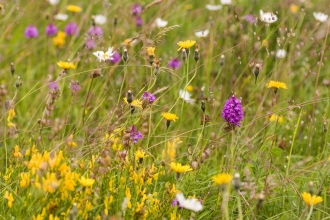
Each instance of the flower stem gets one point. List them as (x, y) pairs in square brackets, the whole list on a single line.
[(239, 206), (310, 212)]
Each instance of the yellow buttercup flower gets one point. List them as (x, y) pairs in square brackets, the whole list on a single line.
[(59, 39), (86, 182), (151, 51), (186, 44), (66, 65), (293, 8), (276, 85), (73, 8), (179, 168), (222, 178), (169, 116), (275, 117), (311, 200)]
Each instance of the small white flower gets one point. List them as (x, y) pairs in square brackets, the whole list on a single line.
[(100, 19), (103, 56), (191, 204), (202, 33), (61, 17), (268, 17), (186, 96), (161, 23), (213, 7), (53, 2), (280, 53), (225, 2), (320, 16)]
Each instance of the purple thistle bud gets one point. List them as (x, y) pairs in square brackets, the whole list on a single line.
[(136, 9), (51, 30), (149, 96), (138, 21), (135, 135), (95, 30), (175, 63), (31, 31), (54, 86), (232, 112), (90, 43), (75, 87), (116, 57), (71, 28)]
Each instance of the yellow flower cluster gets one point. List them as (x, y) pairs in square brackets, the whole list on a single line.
[(66, 65), (59, 39)]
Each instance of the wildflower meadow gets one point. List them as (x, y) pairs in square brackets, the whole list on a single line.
[(164, 109)]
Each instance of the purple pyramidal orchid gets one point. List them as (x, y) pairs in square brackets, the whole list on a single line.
[(232, 112)]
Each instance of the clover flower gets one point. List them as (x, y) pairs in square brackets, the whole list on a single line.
[(51, 30), (135, 135), (31, 31), (232, 111)]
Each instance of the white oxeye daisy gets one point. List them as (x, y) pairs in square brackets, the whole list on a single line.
[(320, 16), (225, 2), (280, 53), (53, 2), (203, 33), (104, 56), (191, 204), (213, 7), (268, 17), (61, 17), (160, 23), (186, 96), (100, 19)]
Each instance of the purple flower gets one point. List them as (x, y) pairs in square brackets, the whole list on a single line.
[(71, 28), (138, 21), (176, 203), (75, 87), (136, 9), (54, 86), (90, 43), (135, 135), (51, 30), (31, 31), (251, 19), (175, 63), (232, 112), (116, 57), (149, 96), (95, 30)]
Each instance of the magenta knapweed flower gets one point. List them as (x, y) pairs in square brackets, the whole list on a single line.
[(251, 19), (51, 30), (136, 9), (95, 30), (135, 135), (116, 57), (71, 28), (138, 21), (90, 43), (54, 86), (75, 87), (31, 31), (232, 112), (175, 63), (149, 96)]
